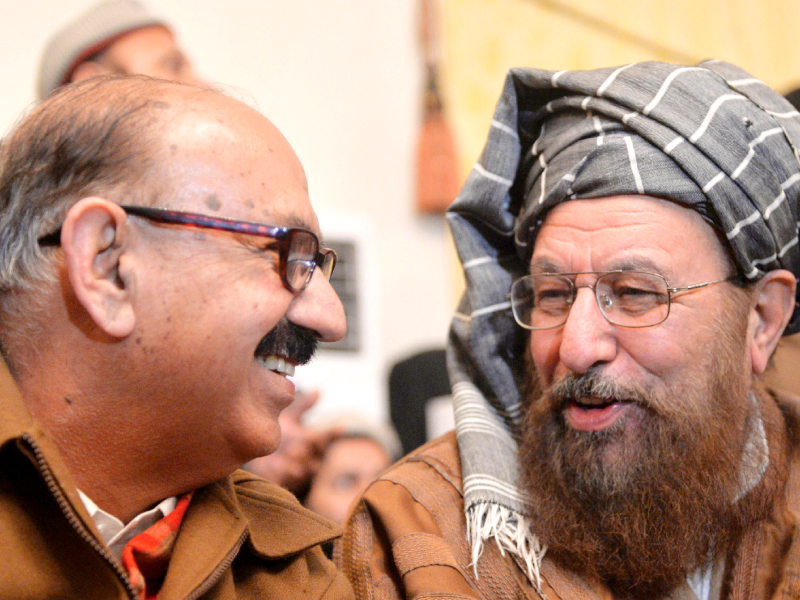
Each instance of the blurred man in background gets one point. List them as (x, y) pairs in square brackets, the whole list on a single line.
[(350, 464), (113, 37)]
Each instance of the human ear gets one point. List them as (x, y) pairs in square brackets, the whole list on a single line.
[(94, 241), (773, 305)]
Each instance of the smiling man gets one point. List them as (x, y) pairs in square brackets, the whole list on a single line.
[(161, 276), (124, 37), (629, 240)]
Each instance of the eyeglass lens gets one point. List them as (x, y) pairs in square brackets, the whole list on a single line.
[(300, 259), (628, 299)]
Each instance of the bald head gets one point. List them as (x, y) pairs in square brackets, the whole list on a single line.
[(98, 137)]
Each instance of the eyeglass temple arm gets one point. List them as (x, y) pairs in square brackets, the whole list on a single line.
[(698, 285)]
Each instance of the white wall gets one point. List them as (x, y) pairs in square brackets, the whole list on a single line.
[(342, 81)]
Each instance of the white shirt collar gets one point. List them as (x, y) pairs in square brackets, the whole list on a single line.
[(115, 533)]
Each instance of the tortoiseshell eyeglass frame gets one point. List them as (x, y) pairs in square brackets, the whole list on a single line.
[(297, 247)]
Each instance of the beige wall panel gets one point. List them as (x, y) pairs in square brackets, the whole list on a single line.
[(483, 38)]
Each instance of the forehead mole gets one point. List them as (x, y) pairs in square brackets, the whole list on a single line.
[(213, 203)]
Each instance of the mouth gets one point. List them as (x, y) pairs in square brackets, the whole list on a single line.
[(595, 414), (285, 347), (277, 364), (594, 402)]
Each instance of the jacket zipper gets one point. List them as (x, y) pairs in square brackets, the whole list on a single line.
[(212, 579), (69, 513)]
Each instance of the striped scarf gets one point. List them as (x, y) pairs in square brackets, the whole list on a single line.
[(710, 137), (146, 557)]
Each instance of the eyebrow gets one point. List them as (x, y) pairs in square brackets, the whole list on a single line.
[(295, 221), (637, 263), (543, 265), (288, 221), (634, 263)]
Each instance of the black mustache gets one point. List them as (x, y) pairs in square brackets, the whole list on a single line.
[(293, 342)]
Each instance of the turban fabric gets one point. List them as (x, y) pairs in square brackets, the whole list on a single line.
[(711, 138)]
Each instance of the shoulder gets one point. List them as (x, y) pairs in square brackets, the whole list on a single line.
[(279, 525), (280, 529), (428, 479), (408, 531), (438, 459)]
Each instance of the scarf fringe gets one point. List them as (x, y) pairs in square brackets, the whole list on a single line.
[(511, 532)]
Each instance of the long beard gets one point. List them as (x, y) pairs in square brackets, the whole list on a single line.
[(641, 512)]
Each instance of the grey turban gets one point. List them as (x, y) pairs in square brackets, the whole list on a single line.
[(710, 137)]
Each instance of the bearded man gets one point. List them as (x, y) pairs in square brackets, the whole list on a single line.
[(629, 241)]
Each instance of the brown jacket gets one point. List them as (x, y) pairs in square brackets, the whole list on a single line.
[(407, 539), (241, 537)]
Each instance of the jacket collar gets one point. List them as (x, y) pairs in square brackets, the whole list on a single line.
[(277, 526), (239, 510), (220, 516), (18, 426)]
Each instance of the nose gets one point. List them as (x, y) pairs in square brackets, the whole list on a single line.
[(318, 308), (587, 338)]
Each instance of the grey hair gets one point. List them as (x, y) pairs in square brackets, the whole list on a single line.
[(96, 137)]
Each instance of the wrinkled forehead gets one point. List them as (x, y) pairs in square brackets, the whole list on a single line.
[(628, 232)]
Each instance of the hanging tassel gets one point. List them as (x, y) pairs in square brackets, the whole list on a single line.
[(511, 533), (437, 163)]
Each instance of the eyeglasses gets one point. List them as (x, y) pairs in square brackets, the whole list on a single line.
[(299, 249), (625, 298)]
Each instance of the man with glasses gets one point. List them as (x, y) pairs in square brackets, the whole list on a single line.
[(126, 37), (161, 276), (629, 241)]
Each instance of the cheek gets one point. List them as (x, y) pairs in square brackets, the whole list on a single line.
[(667, 350), (544, 346), (657, 354)]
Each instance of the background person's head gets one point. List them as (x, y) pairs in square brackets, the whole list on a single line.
[(185, 334), (113, 37), (350, 463)]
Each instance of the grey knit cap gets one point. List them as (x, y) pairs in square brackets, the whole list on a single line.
[(89, 33)]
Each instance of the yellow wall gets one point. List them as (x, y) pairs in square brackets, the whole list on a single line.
[(483, 38)]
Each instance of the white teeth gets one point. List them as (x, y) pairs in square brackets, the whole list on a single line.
[(278, 364)]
